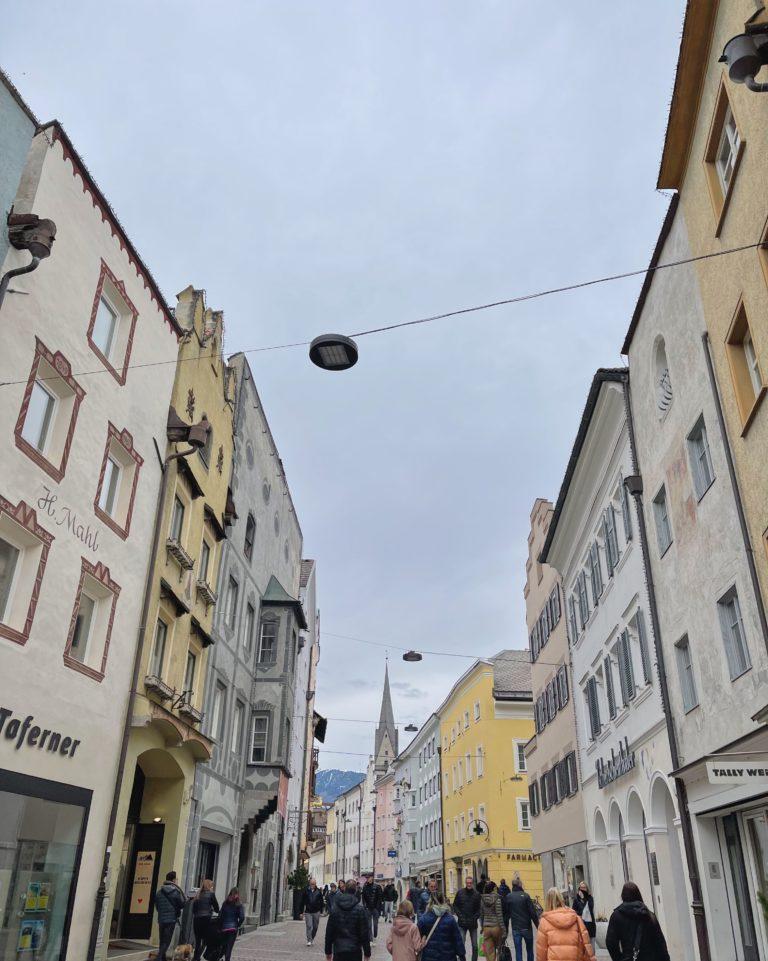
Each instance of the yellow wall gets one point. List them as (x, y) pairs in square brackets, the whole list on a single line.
[(330, 846), (492, 791)]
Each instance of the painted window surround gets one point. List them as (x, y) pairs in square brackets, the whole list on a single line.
[(125, 441), (26, 518), (128, 314), (100, 573)]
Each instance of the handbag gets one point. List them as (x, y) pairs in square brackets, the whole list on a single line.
[(504, 953), (426, 940)]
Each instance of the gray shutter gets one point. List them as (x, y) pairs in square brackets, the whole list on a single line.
[(573, 775), (734, 666), (562, 683), (626, 511), (645, 655), (626, 674), (608, 669), (572, 620), (607, 543), (594, 707)]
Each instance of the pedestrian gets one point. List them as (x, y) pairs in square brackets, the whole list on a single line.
[(326, 891), (404, 941), (491, 920), (333, 893), (520, 915), (562, 935), (204, 907), (231, 916), (466, 907), (372, 897), (438, 927), (584, 906), (504, 888), (169, 900), (312, 908), (419, 898), (482, 883), (390, 900), (633, 931), (346, 934)]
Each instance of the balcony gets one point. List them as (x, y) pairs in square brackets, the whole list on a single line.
[(157, 686), (177, 552), (207, 593), (190, 712)]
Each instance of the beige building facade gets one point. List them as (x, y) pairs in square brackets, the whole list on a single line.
[(558, 831)]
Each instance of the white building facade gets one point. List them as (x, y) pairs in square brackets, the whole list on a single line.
[(79, 483), (711, 617), (623, 745)]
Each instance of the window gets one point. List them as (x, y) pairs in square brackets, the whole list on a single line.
[(562, 685), (466, 720), (37, 424), (581, 587), (745, 368), (24, 547), (110, 485), (250, 620), (732, 627), (523, 815), (233, 591), (661, 516), (204, 452), (662, 378), (468, 765), (626, 511), (700, 458), (189, 673), (609, 689), (158, 650), (593, 707), (520, 762), (480, 762), (727, 151), (573, 630), (626, 671), (250, 533), (9, 560), (112, 325), (268, 643), (533, 798), (685, 672), (259, 734), (463, 823), (573, 775), (612, 553), (177, 520), (217, 715), (90, 627), (118, 480), (205, 561), (642, 640), (477, 710), (595, 573)]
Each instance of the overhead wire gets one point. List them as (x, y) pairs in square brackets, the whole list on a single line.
[(520, 298)]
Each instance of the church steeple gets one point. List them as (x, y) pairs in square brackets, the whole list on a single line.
[(386, 732)]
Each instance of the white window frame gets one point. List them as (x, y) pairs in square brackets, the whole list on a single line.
[(685, 674), (13, 580), (83, 644), (109, 494), (700, 458), (725, 162), (40, 444), (477, 711), (156, 670), (468, 765), (664, 533), (238, 716), (115, 317), (738, 657), (480, 764), (259, 715), (753, 366), (521, 765), (523, 814)]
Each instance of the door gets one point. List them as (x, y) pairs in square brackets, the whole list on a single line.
[(741, 893), (756, 826), (141, 881), (206, 864), (266, 887)]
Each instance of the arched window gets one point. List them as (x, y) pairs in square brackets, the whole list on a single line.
[(662, 380)]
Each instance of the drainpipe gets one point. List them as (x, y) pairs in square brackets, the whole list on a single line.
[(197, 440), (28, 232), (736, 491), (634, 485), (442, 844)]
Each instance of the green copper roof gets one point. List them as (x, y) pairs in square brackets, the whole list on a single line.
[(277, 594)]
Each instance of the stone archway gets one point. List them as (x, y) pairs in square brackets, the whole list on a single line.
[(664, 837), (637, 845)]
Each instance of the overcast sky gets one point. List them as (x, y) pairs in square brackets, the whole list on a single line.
[(334, 166)]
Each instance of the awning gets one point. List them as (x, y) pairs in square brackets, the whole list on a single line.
[(189, 476), (168, 594), (197, 628), (210, 516)]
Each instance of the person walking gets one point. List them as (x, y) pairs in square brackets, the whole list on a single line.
[(419, 898), (491, 920), (311, 909), (405, 940), (504, 888), (204, 906), (372, 897), (390, 900), (562, 935), (634, 932), (520, 915), (169, 900), (482, 883), (466, 907), (333, 893), (438, 927), (584, 906), (231, 916), (346, 935)]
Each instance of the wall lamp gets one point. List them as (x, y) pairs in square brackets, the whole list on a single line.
[(28, 232), (745, 55)]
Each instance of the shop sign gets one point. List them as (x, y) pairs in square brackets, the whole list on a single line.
[(142, 882), (737, 772), (617, 766), (27, 734), (391, 853)]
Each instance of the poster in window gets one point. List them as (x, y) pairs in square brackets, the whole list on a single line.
[(31, 935), (33, 894), (143, 874), (44, 896)]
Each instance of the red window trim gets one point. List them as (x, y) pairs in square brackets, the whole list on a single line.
[(26, 517), (119, 375), (64, 369), (125, 440), (99, 572)]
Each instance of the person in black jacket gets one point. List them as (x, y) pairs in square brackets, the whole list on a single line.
[(346, 934), (504, 887), (390, 900), (466, 907), (520, 914), (632, 926), (584, 906), (204, 907), (372, 896), (169, 900), (312, 908)]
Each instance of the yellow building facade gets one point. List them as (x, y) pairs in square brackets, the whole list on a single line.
[(485, 723), (165, 742), (329, 872)]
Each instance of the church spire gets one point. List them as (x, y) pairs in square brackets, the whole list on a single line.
[(386, 731)]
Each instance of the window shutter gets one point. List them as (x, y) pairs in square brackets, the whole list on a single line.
[(731, 654), (645, 655), (573, 775), (544, 792), (606, 543), (594, 707), (562, 684), (626, 674), (532, 799), (626, 511), (608, 670), (574, 634)]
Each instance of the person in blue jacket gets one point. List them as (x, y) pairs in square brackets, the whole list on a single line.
[(231, 916), (439, 928)]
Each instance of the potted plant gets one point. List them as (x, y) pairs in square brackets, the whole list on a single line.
[(601, 929), (297, 881)]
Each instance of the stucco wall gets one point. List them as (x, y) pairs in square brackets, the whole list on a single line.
[(16, 131)]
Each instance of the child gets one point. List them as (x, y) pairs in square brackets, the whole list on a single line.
[(404, 941)]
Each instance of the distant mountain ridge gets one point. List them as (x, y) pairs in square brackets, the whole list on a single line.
[(331, 783)]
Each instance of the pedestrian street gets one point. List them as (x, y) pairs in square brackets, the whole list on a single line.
[(286, 941)]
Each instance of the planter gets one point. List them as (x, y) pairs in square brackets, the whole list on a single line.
[(601, 932)]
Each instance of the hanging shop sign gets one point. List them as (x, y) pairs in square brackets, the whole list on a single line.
[(616, 766), (733, 771)]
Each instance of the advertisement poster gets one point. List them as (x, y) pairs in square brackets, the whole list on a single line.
[(143, 874), (44, 896), (33, 893), (31, 935)]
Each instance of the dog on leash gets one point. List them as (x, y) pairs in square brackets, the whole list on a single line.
[(182, 953)]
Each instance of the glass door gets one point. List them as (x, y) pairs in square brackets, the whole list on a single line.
[(741, 891), (756, 827)]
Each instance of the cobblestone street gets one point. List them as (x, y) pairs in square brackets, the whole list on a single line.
[(287, 941)]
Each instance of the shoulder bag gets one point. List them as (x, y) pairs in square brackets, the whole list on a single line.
[(426, 941)]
